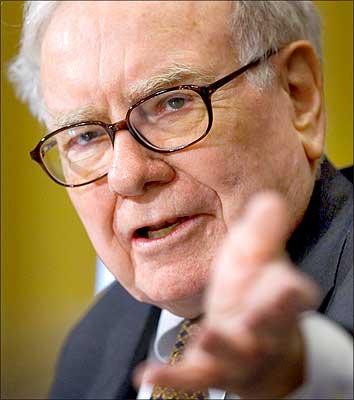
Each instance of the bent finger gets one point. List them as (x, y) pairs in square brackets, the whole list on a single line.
[(183, 376), (236, 350)]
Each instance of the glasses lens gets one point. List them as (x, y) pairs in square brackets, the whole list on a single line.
[(171, 119), (78, 155)]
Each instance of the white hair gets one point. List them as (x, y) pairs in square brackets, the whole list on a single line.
[(24, 70), (256, 26), (260, 26)]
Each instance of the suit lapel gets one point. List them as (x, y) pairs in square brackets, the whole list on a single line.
[(126, 346), (316, 246)]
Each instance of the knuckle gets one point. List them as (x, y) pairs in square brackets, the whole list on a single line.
[(256, 351), (288, 295)]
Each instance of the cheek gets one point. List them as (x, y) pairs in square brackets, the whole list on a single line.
[(95, 206), (95, 209), (249, 151)]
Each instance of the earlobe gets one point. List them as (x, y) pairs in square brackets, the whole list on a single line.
[(302, 79)]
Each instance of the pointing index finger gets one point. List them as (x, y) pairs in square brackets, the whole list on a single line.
[(261, 232)]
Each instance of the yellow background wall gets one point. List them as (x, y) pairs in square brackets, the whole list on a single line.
[(47, 262)]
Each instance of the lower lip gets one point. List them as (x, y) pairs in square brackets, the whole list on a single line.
[(177, 234)]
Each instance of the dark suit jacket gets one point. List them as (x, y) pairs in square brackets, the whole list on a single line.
[(102, 350)]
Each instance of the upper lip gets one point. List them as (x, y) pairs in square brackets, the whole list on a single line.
[(133, 215)]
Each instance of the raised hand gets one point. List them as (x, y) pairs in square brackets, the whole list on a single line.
[(249, 342)]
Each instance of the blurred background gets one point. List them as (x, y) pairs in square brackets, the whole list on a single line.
[(47, 263)]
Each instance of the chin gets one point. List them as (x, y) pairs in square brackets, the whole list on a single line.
[(181, 294)]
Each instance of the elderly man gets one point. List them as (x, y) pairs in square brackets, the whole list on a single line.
[(166, 120)]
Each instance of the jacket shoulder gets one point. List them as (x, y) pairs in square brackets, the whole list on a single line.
[(84, 348), (340, 305)]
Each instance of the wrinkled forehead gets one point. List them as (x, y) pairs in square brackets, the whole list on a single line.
[(113, 45), (136, 25), (160, 14)]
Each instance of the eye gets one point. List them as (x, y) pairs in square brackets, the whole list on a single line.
[(87, 137), (176, 103), (172, 104)]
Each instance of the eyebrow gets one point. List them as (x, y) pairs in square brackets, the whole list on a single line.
[(85, 113), (175, 75)]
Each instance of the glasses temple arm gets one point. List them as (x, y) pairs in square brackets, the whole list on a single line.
[(216, 85)]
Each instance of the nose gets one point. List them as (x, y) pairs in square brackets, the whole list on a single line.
[(134, 168)]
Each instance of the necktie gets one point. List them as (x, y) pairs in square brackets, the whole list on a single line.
[(166, 393)]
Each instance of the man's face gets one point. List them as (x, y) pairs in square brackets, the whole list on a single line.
[(93, 54)]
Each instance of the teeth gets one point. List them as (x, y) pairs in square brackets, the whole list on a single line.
[(161, 232)]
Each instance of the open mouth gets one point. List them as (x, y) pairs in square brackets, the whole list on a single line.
[(160, 230)]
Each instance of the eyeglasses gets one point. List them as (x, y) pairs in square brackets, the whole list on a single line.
[(165, 122)]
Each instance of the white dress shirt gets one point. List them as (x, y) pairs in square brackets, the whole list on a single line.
[(329, 363)]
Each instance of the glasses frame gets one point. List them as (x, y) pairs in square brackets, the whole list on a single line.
[(205, 93)]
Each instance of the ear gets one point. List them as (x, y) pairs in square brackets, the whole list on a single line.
[(301, 76)]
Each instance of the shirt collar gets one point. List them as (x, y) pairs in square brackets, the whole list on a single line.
[(167, 330)]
